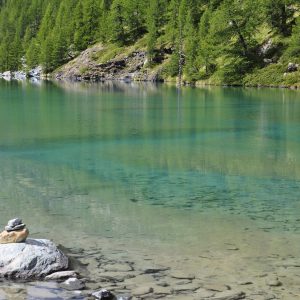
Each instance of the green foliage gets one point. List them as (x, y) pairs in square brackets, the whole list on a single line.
[(294, 47), (279, 14), (199, 39), (154, 23)]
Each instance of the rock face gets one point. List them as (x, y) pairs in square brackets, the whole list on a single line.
[(32, 259), (124, 67), (35, 72)]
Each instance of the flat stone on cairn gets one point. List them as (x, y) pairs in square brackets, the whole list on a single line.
[(15, 232)]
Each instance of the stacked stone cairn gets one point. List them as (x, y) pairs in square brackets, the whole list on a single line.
[(15, 232)]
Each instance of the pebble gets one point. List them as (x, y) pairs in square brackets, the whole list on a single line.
[(181, 275), (273, 282), (216, 287), (187, 287), (245, 282), (103, 295), (61, 275), (115, 276), (118, 268), (229, 295), (72, 284), (203, 293), (142, 290), (162, 290), (154, 269)]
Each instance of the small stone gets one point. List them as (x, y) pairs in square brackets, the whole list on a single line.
[(203, 293), (122, 297), (103, 295), (232, 248), (17, 227), (229, 295), (143, 290), (159, 290), (118, 268), (245, 282), (72, 284), (61, 275), (18, 236), (216, 287), (181, 275), (154, 269), (273, 282), (14, 222), (116, 276), (187, 287)]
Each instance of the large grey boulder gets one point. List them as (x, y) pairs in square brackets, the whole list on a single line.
[(32, 259), (35, 72)]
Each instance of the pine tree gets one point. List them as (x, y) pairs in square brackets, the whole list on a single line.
[(117, 22), (32, 53), (91, 15), (294, 47), (207, 51), (104, 20), (80, 42), (278, 13), (134, 17), (153, 23), (190, 48)]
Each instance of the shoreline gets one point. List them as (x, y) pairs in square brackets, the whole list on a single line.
[(233, 272), (47, 77)]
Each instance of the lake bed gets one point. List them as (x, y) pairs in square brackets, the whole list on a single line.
[(200, 186)]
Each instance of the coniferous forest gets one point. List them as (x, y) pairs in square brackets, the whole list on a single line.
[(220, 41)]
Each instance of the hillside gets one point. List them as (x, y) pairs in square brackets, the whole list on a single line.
[(248, 42)]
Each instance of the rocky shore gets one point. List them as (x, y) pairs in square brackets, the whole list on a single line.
[(100, 273), (124, 67)]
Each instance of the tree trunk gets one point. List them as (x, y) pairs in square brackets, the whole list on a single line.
[(241, 38), (180, 59)]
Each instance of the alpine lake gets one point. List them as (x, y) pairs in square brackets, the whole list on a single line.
[(155, 192)]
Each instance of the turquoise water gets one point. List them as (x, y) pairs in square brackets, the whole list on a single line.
[(113, 155), (205, 181)]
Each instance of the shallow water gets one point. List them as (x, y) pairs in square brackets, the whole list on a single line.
[(140, 170)]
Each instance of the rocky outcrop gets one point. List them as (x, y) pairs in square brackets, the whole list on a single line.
[(36, 73), (35, 258), (129, 67)]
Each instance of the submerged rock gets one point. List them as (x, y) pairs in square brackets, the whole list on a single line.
[(61, 275), (35, 258), (104, 295), (72, 284)]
